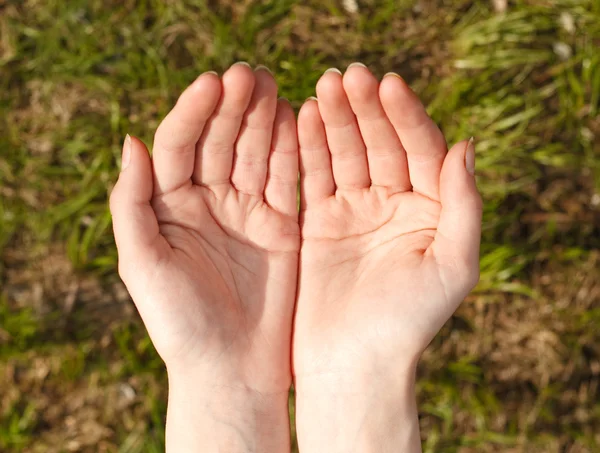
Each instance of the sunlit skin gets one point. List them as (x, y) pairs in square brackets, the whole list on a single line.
[(208, 243), (216, 257), (390, 225), (382, 265)]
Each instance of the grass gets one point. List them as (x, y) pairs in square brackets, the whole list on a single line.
[(516, 369)]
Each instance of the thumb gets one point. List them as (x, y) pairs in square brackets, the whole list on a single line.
[(456, 243), (134, 222)]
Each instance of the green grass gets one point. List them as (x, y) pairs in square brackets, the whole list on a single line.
[(515, 370)]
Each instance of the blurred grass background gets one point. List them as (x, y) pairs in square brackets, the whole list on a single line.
[(517, 369)]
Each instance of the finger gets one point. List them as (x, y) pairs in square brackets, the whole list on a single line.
[(387, 159), (134, 222), (281, 191), (421, 138), (348, 153), (251, 151), (456, 244), (175, 140), (214, 152), (316, 174)]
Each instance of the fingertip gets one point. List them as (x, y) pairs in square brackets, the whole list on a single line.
[(208, 76), (237, 85), (470, 156), (283, 102), (330, 83), (356, 64), (131, 147), (240, 76), (284, 121), (359, 82), (126, 153), (309, 110), (455, 158), (394, 91), (285, 112), (310, 124), (393, 81), (207, 85), (140, 179), (457, 182), (459, 152), (139, 150), (261, 67), (336, 70), (265, 77)]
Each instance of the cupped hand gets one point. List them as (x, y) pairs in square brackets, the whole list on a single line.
[(207, 231), (390, 224)]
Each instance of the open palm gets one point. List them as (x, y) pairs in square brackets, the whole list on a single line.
[(390, 223), (208, 233)]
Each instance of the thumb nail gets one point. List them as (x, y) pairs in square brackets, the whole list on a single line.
[(126, 157), (470, 157)]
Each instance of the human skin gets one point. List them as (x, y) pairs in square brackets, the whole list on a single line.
[(208, 240), (390, 225), (209, 244)]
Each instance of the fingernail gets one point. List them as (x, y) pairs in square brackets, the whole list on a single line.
[(311, 98), (356, 63), (470, 157), (126, 157), (392, 74), (399, 77), (243, 63), (261, 67), (283, 98), (204, 73), (336, 70)]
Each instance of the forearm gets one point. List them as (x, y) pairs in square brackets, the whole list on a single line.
[(371, 414), (224, 418)]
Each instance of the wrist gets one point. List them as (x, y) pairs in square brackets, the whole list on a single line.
[(206, 415), (215, 372), (378, 409)]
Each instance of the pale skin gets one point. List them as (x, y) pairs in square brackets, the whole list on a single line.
[(217, 259)]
